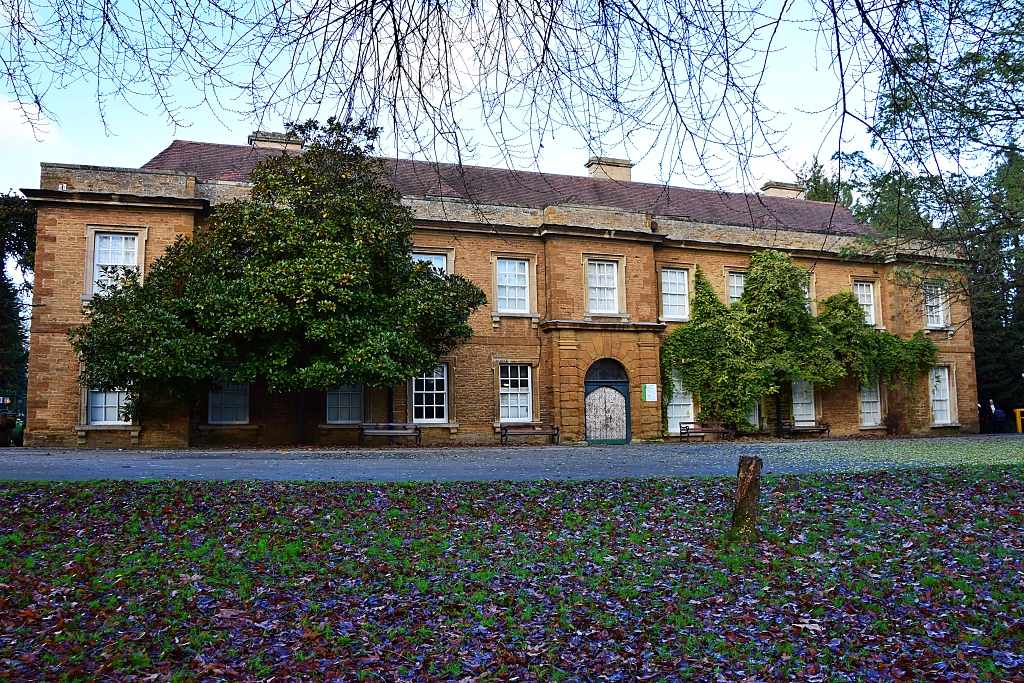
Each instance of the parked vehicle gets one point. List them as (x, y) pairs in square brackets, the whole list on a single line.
[(12, 417)]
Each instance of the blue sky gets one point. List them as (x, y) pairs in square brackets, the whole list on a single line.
[(797, 85)]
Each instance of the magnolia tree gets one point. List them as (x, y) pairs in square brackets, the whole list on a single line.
[(729, 357), (309, 284)]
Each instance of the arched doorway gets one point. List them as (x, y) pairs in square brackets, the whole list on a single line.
[(606, 402)]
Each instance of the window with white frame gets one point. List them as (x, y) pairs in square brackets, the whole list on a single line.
[(803, 403), (514, 397), (107, 407), (870, 405), (865, 292), (345, 404), (939, 389), (806, 287), (753, 415), (935, 306), (113, 254), (680, 407), (675, 293), (430, 395), (438, 262), (513, 285), (737, 281), (229, 404), (603, 286)]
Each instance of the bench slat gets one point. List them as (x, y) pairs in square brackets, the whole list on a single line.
[(702, 429), (390, 430), (537, 429)]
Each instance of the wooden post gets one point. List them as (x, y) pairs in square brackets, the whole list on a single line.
[(748, 499)]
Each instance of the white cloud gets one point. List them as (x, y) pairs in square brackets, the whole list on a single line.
[(23, 145)]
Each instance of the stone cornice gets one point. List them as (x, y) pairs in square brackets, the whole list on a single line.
[(40, 198)]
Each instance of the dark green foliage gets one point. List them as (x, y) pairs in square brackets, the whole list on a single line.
[(869, 353), (712, 354), (309, 284), (17, 242), (822, 186), (17, 230), (729, 357), (789, 343), (13, 340)]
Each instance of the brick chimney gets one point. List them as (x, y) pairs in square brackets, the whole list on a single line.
[(774, 188), (266, 140), (609, 169)]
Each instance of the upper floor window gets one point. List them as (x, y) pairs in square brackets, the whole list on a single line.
[(603, 286), (935, 306), (737, 281), (438, 262), (345, 404), (865, 292), (107, 407), (675, 294), (113, 251), (513, 285), (229, 404), (430, 395), (515, 397)]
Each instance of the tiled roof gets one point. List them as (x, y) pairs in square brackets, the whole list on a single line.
[(501, 186)]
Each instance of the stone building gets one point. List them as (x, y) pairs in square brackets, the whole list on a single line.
[(585, 276)]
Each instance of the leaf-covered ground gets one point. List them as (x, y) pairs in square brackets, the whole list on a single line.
[(910, 575)]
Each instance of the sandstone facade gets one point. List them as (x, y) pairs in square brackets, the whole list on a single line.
[(555, 225)]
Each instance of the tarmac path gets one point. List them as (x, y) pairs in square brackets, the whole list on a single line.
[(517, 463)]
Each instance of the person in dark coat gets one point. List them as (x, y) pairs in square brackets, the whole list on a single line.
[(998, 417)]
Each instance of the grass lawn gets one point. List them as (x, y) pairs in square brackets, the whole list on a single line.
[(904, 575)]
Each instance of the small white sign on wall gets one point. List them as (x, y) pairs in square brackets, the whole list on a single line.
[(650, 392)]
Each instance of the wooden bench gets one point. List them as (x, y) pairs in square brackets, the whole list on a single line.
[(702, 429), (531, 429), (818, 427), (389, 429)]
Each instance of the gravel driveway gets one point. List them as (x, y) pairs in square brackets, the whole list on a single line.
[(512, 463)]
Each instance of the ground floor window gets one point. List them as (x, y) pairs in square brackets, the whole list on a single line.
[(107, 407), (803, 402), (680, 408), (753, 416), (345, 404), (515, 397), (939, 388), (229, 404), (430, 395), (870, 405)]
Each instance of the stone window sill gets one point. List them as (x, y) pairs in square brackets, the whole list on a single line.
[(942, 425), (672, 319), (495, 315), (83, 431), (588, 317), (870, 428), (452, 426), (339, 425)]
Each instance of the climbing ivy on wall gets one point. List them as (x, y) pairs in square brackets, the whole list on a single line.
[(731, 356)]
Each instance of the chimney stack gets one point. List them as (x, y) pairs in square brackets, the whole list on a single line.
[(774, 188), (265, 140), (610, 169)]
